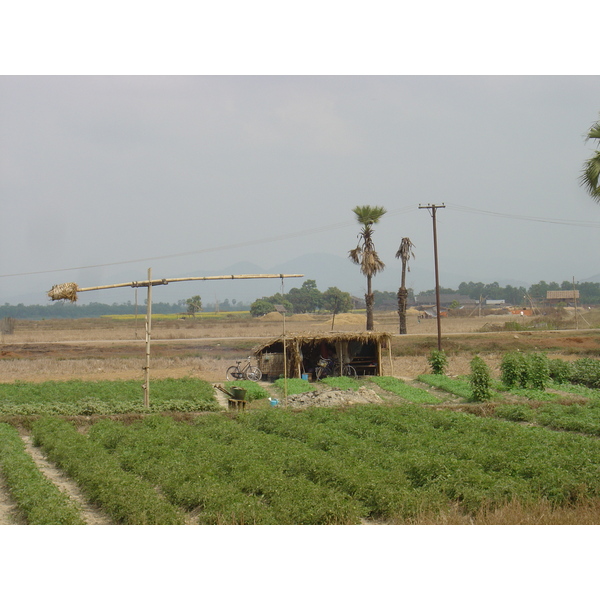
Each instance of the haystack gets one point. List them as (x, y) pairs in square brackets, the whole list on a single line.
[(64, 291)]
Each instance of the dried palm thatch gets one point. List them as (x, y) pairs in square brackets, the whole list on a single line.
[(64, 291)]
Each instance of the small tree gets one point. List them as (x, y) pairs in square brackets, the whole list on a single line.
[(336, 301), (261, 307), (194, 305), (480, 380)]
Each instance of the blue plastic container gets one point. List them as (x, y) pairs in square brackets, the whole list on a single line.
[(305, 376), (273, 401)]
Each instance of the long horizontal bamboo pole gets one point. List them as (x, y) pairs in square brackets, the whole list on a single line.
[(68, 291), (153, 282)]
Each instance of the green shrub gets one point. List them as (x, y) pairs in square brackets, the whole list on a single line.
[(586, 371), (481, 380), (560, 371), (510, 369), (438, 361), (539, 371)]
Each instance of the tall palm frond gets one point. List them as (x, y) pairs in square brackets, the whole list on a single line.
[(404, 253), (590, 175)]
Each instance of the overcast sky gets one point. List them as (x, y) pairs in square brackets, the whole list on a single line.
[(195, 173)]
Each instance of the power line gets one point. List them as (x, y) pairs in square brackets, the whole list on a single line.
[(458, 207), (277, 238)]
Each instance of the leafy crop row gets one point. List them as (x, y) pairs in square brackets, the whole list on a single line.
[(441, 456), (126, 498), (583, 418), (39, 499), (295, 386), (459, 387), (227, 473), (405, 390), (77, 397), (254, 391), (322, 466)]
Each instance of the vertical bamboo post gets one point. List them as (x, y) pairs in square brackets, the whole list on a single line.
[(575, 301), (148, 334)]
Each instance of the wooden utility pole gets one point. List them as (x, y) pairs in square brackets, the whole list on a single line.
[(432, 208), (69, 291)]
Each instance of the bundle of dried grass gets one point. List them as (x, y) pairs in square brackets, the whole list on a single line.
[(64, 291)]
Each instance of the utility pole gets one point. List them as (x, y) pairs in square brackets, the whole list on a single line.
[(432, 208)]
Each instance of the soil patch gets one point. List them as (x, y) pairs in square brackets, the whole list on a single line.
[(334, 397)]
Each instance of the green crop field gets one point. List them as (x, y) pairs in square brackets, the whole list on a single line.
[(320, 466)]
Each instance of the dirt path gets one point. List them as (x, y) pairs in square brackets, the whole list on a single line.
[(9, 513), (90, 514)]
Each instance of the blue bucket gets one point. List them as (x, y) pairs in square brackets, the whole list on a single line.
[(273, 401), (305, 376)]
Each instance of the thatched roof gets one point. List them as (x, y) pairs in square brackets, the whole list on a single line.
[(316, 338)]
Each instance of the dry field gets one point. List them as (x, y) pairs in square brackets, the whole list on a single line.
[(92, 349)]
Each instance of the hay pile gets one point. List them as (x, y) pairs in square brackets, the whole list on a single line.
[(350, 319), (64, 291), (272, 317)]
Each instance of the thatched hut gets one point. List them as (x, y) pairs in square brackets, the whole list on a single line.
[(366, 352)]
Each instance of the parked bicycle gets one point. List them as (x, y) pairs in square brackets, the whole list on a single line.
[(236, 373), (327, 367)]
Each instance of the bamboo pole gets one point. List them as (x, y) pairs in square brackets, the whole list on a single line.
[(146, 385), (167, 281), (69, 291)]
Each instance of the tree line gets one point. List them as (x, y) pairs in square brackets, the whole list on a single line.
[(306, 299)]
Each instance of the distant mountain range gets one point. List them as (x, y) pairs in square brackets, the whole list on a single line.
[(327, 270)]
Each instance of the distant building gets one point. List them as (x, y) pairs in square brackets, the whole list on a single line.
[(445, 300), (556, 296), (495, 302)]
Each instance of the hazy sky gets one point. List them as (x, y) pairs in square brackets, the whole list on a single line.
[(96, 170)]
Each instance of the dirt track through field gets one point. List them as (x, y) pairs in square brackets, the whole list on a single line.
[(90, 514)]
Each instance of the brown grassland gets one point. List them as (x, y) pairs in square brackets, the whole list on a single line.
[(106, 348), (113, 349)]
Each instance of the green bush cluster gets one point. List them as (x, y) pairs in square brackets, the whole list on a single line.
[(40, 501), (124, 496), (526, 370), (438, 361)]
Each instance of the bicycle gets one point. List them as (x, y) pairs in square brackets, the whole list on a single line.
[(235, 373), (326, 367)]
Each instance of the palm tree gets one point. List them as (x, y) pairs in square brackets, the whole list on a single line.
[(591, 167), (365, 254), (404, 254)]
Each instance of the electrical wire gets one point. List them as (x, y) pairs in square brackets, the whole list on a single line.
[(277, 238), (458, 207)]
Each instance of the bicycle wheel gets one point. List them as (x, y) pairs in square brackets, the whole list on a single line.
[(350, 371), (322, 372), (254, 374), (233, 374)]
